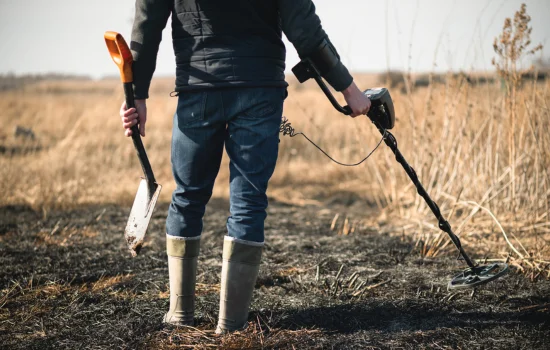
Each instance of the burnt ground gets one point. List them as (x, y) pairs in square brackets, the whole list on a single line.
[(68, 282)]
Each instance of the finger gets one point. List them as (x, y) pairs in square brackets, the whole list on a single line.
[(142, 128), (130, 112), (129, 124), (123, 107), (128, 132), (130, 118)]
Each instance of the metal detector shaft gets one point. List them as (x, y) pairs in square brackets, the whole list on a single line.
[(382, 115), (390, 140)]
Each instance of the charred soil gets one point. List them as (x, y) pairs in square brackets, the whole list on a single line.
[(68, 282)]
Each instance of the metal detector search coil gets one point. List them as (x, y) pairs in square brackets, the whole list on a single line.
[(382, 114)]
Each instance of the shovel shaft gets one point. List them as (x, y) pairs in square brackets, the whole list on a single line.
[(136, 138)]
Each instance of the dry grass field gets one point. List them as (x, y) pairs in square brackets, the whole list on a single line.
[(456, 135)]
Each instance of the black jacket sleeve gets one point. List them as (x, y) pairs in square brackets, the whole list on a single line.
[(150, 19), (303, 28)]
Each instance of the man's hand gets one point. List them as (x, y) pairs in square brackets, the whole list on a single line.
[(133, 116), (357, 101)]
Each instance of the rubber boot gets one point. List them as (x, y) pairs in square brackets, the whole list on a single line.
[(182, 269), (241, 262)]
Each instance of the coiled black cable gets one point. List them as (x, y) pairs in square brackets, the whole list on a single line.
[(287, 129)]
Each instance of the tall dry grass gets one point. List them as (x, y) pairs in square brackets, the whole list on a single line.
[(483, 158), (456, 136)]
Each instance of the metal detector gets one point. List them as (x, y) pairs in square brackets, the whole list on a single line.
[(382, 115)]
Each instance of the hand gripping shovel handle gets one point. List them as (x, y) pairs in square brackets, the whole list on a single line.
[(121, 55)]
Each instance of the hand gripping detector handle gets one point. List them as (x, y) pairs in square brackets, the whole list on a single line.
[(381, 111), (306, 70)]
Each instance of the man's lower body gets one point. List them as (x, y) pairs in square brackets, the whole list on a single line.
[(246, 121)]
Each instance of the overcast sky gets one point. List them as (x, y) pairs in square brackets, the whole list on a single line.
[(66, 36)]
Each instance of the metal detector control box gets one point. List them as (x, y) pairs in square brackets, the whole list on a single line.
[(381, 109)]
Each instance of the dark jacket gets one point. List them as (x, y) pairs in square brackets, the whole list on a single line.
[(224, 43)]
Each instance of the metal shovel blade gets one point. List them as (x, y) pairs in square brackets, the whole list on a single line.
[(142, 210)]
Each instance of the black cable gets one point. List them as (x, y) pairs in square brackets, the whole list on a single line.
[(287, 129)]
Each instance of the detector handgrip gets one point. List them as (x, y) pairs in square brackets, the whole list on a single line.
[(381, 112), (342, 109), (306, 70)]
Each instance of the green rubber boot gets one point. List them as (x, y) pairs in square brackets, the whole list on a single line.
[(182, 269), (241, 262)]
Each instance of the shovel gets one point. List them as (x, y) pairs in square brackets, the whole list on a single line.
[(148, 190)]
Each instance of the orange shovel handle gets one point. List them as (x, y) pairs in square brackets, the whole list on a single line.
[(121, 55)]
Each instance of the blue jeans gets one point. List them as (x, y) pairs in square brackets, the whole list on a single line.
[(246, 121)]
